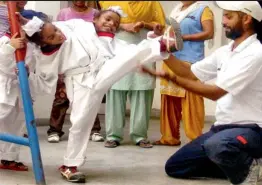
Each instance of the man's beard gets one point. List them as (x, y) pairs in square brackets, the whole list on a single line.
[(235, 32)]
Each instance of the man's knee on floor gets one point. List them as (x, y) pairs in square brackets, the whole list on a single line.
[(173, 170), (169, 168)]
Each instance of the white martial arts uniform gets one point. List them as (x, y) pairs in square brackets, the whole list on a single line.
[(11, 111), (91, 66)]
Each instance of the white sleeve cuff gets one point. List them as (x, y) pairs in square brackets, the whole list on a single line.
[(224, 86), (197, 73), (8, 49)]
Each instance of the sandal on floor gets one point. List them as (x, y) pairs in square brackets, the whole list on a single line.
[(12, 165), (163, 144), (144, 144), (111, 144)]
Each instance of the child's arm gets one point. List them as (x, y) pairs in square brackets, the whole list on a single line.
[(42, 83), (44, 78), (7, 49)]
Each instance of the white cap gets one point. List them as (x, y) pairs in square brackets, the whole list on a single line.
[(118, 10), (33, 26), (251, 8)]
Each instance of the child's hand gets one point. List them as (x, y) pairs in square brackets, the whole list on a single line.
[(132, 27), (158, 29), (128, 27), (61, 78), (17, 43), (138, 26), (159, 74), (21, 19)]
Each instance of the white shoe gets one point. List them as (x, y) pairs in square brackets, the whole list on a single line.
[(253, 174), (96, 137), (53, 138)]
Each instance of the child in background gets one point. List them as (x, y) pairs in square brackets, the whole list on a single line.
[(11, 111), (79, 10)]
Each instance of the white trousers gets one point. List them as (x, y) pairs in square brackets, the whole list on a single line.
[(11, 122), (85, 101)]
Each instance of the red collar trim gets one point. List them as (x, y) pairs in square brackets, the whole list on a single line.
[(51, 52), (105, 34), (8, 35), (55, 50)]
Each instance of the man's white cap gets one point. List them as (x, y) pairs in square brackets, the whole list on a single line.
[(251, 8)]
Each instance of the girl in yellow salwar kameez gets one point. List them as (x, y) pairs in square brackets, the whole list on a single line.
[(196, 23)]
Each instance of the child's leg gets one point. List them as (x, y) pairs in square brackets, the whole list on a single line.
[(127, 60), (86, 102), (58, 113), (85, 106), (11, 122), (8, 151)]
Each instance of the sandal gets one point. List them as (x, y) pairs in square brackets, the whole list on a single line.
[(13, 165), (111, 144), (144, 144), (163, 144)]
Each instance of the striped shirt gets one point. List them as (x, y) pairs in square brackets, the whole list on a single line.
[(4, 23)]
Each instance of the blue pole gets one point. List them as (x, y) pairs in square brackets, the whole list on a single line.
[(31, 124), (14, 139)]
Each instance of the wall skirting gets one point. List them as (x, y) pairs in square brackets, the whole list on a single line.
[(155, 114)]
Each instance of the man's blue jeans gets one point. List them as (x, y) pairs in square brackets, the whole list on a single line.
[(226, 151)]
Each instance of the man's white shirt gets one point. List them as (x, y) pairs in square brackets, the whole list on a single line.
[(239, 72)]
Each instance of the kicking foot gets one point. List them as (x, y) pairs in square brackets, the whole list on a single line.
[(13, 165), (111, 144), (164, 144), (97, 137), (53, 137), (144, 144), (71, 174), (173, 37)]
